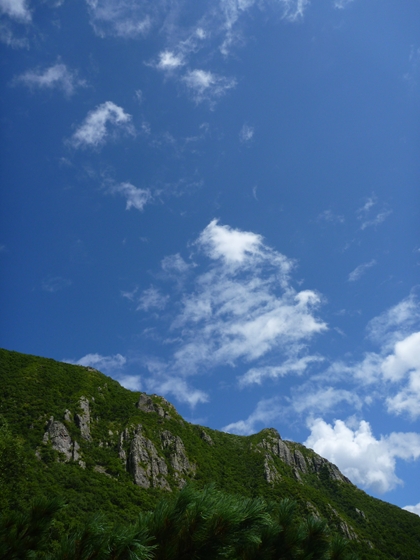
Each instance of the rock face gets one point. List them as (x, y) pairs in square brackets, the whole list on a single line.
[(146, 404), (178, 457), (205, 437), (83, 420), (293, 457), (61, 441), (145, 464)]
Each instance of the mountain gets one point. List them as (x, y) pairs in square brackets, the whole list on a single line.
[(72, 432)]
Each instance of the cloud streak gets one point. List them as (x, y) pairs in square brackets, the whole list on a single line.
[(358, 272), (57, 76)]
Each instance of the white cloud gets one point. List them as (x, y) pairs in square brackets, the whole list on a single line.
[(16, 9), (246, 133), (8, 37), (364, 214), (395, 323), (152, 298), (135, 197), (122, 18), (267, 411), (367, 461), (292, 366), (175, 264), (130, 382), (413, 509), (94, 131), (358, 272), (323, 400), (57, 76), (177, 387), (294, 9), (206, 86), (341, 4), (378, 219), (106, 364), (169, 61), (235, 311)]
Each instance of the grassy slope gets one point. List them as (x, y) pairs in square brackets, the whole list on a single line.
[(33, 389)]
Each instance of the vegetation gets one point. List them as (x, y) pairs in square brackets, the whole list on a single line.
[(195, 525), (32, 390)]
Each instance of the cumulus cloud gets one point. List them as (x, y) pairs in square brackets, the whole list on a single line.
[(246, 133), (135, 197), (130, 382), (207, 86), (57, 76), (99, 124), (413, 509), (106, 364), (365, 460), (358, 272), (16, 9), (267, 411)]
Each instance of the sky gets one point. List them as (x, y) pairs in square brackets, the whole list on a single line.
[(219, 202)]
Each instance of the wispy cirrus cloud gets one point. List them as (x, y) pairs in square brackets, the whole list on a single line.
[(365, 460), (368, 217), (358, 272), (57, 76), (106, 120), (246, 133), (122, 18), (296, 366), (341, 4)]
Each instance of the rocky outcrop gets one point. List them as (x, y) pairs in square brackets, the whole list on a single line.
[(146, 404), (178, 457), (205, 437), (292, 456), (83, 420), (145, 464), (271, 474), (61, 441)]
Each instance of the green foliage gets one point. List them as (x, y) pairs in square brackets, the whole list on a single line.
[(34, 389)]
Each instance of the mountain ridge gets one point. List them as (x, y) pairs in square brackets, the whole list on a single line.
[(102, 447)]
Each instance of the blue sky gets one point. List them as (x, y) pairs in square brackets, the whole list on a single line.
[(219, 202)]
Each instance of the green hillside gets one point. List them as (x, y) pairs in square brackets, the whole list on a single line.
[(71, 432)]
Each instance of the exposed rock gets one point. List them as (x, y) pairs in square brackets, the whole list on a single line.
[(60, 440), (124, 438), (361, 513), (68, 416), (83, 419), (178, 456), (271, 474), (319, 463), (101, 470), (205, 436), (345, 528), (146, 404), (144, 463), (300, 461)]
